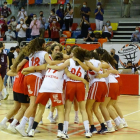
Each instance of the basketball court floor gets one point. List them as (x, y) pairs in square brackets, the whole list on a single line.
[(130, 106)]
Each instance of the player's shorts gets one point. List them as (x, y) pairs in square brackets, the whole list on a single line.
[(97, 91), (113, 89), (3, 71), (32, 85), (120, 84), (64, 85), (56, 98), (75, 89), (21, 97)]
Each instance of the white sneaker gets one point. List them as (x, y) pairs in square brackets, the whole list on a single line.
[(119, 126), (21, 130), (59, 134), (37, 131), (76, 120), (88, 134), (65, 135), (3, 126), (6, 97), (56, 117), (51, 120), (12, 128), (48, 106), (125, 125), (28, 129), (41, 122), (31, 133), (111, 129), (1, 97)]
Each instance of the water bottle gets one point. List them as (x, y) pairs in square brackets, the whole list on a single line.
[(133, 70)]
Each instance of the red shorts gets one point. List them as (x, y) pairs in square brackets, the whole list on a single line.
[(75, 89), (64, 85), (32, 85), (43, 98), (97, 91), (113, 90), (120, 84)]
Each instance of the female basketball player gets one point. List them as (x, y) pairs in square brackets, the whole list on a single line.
[(32, 82), (72, 88)]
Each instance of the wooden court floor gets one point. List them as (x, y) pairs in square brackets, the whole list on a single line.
[(130, 106)]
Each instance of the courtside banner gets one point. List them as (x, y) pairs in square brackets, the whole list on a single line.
[(126, 51)]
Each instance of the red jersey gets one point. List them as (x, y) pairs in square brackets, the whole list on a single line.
[(54, 30), (18, 86)]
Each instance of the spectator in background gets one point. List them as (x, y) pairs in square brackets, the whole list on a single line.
[(10, 35), (68, 17), (12, 22), (28, 20), (0, 31), (85, 11), (3, 26), (17, 51), (116, 57), (84, 27), (21, 14), (21, 29), (90, 37), (60, 14), (68, 49), (107, 30), (55, 27), (131, 66), (35, 26), (99, 16), (52, 16), (127, 6), (42, 20), (136, 35), (5, 11)]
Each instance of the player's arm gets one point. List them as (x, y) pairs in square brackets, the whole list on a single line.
[(31, 69), (61, 67), (74, 77), (104, 75), (65, 56), (11, 73), (84, 66), (113, 71), (50, 62), (97, 69), (21, 64)]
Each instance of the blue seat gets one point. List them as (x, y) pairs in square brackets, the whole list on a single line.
[(48, 39), (38, 1), (63, 27), (67, 1), (75, 34), (28, 39)]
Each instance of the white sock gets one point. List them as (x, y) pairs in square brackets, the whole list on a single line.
[(5, 91), (14, 122), (123, 120), (51, 114), (86, 125), (56, 113), (120, 119), (109, 124), (76, 114), (31, 121), (4, 121), (117, 122), (66, 123), (0, 92), (24, 121)]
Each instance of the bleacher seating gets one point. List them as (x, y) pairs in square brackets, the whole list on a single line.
[(9, 1), (48, 39), (38, 1), (70, 41), (80, 41), (1, 39), (74, 26), (28, 39), (62, 40), (93, 26), (67, 33), (53, 1), (98, 32), (31, 2), (75, 34), (102, 40), (61, 1), (114, 26)]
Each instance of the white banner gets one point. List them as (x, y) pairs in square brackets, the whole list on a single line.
[(125, 51)]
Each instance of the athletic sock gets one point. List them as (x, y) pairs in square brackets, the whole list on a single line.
[(0, 92), (86, 125), (14, 122), (23, 121), (120, 119), (109, 124), (5, 91), (4, 121), (35, 124), (66, 123), (102, 126), (123, 120), (51, 114), (60, 126), (31, 121), (56, 113), (117, 122), (92, 127), (76, 114)]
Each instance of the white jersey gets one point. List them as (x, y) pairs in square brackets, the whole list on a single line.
[(77, 70), (53, 82), (36, 60), (94, 74)]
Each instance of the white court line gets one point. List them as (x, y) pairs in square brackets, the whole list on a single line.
[(99, 124)]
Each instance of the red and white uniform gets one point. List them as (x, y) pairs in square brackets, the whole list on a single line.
[(52, 87), (113, 87), (98, 88), (33, 81), (75, 88)]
